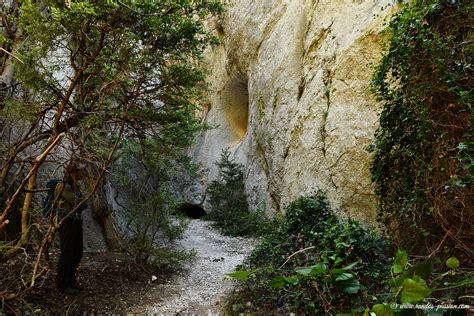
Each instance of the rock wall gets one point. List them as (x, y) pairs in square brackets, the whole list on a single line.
[(288, 94)]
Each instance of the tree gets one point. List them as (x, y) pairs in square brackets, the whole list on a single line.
[(90, 74), (228, 201)]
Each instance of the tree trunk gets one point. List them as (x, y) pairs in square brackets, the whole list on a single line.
[(13, 33), (102, 212)]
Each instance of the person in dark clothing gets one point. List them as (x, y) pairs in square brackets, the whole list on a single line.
[(67, 196)]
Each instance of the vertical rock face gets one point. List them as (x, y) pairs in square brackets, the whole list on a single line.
[(288, 94)]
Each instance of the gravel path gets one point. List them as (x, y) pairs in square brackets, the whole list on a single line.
[(199, 291)]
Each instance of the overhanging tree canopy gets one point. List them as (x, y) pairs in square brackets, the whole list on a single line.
[(84, 68)]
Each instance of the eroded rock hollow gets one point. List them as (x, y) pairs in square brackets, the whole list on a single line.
[(289, 96)]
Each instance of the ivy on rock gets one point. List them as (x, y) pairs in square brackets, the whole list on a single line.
[(423, 148)]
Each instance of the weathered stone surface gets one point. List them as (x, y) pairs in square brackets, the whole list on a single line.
[(288, 94)]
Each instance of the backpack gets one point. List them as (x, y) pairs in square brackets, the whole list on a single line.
[(48, 200)]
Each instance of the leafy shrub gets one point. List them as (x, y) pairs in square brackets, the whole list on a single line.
[(312, 262), (147, 192), (151, 231), (228, 201), (414, 281)]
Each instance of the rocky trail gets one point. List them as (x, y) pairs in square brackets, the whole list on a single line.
[(199, 289), (113, 284)]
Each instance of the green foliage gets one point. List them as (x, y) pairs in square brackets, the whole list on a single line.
[(423, 148), (97, 69), (101, 72), (382, 310), (414, 290), (412, 282), (452, 263), (112, 62), (150, 228), (340, 277), (312, 262), (239, 275), (228, 201), (400, 261)]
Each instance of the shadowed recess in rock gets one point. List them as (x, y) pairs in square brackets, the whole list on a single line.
[(235, 98), (191, 210)]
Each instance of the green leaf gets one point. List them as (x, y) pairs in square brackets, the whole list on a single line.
[(414, 290), (292, 280), (338, 260), (382, 310), (239, 275), (400, 261), (347, 283), (452, 263), (277, 282), (421, 269), (349, 266), (304, 271), (350, 286), (345, 277), (317, 269)]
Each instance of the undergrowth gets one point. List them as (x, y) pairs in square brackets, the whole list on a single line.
[(149, 231), (344, 260), (229, 208), (311, 262), (314, 263), (423, 151)]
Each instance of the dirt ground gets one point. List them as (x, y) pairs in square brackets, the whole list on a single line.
[(112, 284)]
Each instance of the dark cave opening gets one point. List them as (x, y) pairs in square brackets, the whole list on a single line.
[(190, 210)]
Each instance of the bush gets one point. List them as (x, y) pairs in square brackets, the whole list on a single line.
[(145, 182), (417, 281), (347, 258), (228, 200), (152, 230)]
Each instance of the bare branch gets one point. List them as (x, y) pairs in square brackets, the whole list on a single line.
[(4, 50), (34, 168)]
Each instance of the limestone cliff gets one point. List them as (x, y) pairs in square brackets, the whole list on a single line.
[(288, 93)]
